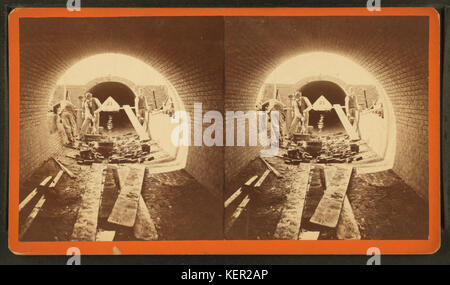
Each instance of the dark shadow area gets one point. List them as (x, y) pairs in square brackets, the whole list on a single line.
[(122, 94)]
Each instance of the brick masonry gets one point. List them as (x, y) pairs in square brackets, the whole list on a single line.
[(385, 46), (187, 51)]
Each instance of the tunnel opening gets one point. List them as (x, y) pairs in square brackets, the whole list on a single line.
[(122, 78), (334, 94), (340, 80), (123, 95)]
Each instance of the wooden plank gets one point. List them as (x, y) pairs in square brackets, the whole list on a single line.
[(233, 197), (237, 213), (24, 228), (64, 168), (251, 180), (261, 180), (56, 179), (329, 209), (125, 209), (144, 228), (85, 228), (307, 235), (345, 122), (105, 235), (135, 122), (289, 225), (278, 175), (347, 227), (239, 191), (33, 193)]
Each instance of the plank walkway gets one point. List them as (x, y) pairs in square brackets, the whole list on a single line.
[(329, 209), (85, 228), (125, 209), (290, 222)]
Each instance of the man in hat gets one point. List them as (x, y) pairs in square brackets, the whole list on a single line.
[(301, 106), (91, 108)]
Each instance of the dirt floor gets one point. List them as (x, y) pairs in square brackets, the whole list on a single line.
[(180, 207), (383, 205)]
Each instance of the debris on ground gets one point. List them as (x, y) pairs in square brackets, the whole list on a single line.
[(338, 148), (126, 148)]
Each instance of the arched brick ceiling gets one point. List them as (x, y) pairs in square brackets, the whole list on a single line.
[(393, 49)]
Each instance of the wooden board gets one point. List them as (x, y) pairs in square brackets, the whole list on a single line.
[(55, 181), (277, 174), (261, 180), (85, 227), (125, 209), (135, 122), (329, 209), (144, 228), (345, 122), (24, 228), (307, 235), (251, 180), (64, 168), (105, 235), (239, 191), (33, 193), (347, 227), (289, 225), (237, 213)]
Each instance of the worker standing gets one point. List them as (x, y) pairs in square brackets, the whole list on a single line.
[(301, 106), (65, 120), (91, 110), (351, 107), (141, 107)]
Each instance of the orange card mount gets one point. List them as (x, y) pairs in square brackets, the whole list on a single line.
[(23, 111)]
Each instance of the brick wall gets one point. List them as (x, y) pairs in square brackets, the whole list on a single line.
[(188, 51), (385, 46)]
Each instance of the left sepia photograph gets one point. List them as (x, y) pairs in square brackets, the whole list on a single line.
[(101, 158)]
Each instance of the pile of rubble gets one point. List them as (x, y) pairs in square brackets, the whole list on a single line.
[(337, 148), (121, 149)]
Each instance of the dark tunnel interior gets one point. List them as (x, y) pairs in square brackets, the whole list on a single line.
[(122, 94), (334, 94)]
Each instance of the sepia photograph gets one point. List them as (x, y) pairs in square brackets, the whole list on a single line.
[(212, 131), (97, 162), (352, 98)]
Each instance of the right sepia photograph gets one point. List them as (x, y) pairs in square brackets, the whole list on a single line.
[(327, 128)]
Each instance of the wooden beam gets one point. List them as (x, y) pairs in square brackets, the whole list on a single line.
[(56, 180), (105, 235), (125, 209), (24, 228), (329, 209), (237, 213), (64, 168), (347, 227), (345, 122), (261, 180), (239, 191), (33, 193), (307, 235), (135, 122), (289, 225), (144, 228), (85, 228), (271, 168)]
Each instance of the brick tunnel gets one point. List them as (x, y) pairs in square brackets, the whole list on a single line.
[(385, 47), (188, 52)]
